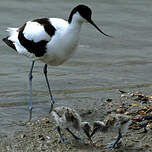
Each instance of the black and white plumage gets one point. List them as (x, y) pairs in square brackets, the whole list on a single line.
[(50, 40), (67, 118), (113, 122)]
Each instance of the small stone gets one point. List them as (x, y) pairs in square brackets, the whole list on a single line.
[(121, 91), (109, 100), (28, 123), (142, 112), (45, 119), (150, 107), (131, 94), (41, 137), (23, 135), (3, 135), (134, 105), (120, 110), (122, 95), (145, 108), (127, 113), (149, 126), (138, 93), (110, 103), (145, 146), (48, 137), (138, 118), (150, 101), (148, 117)]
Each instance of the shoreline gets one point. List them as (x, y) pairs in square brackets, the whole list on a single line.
[(40, 135)]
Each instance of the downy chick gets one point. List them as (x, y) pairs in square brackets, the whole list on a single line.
[(119, 122), (67, 118)]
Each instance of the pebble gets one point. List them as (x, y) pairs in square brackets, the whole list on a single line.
[(149, 126), (109, 100), (48, 137), (120, 110), (23, 135)]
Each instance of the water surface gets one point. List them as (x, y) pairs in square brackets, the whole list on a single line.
[(99, 68)]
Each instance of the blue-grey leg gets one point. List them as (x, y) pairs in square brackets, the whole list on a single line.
[(50, 92), (93, 132), (113, 144), (30, 91), (73, 135), (60, 135)]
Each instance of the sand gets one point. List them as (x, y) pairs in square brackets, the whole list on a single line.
[(41, 135)]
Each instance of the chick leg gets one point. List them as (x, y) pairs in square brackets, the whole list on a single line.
[(73, 135), (113, 144), (60, 135)]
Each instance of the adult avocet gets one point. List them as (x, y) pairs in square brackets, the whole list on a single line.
[(51, 40)]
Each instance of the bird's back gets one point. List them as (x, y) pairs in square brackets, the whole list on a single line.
[(31, 38), (66, 117), (118, 121)]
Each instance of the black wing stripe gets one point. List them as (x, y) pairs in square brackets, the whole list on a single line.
[(37, 48), (49, 29), (9, 43)]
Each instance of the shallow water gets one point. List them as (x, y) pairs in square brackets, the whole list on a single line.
[(99, 68)]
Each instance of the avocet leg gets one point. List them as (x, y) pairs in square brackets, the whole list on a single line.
[(60, 135), (30, 91), (113, 144), (50, 92)]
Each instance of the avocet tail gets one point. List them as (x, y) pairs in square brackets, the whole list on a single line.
[(11, 30)]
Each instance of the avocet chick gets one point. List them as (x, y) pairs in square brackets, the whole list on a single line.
[(67, 118), (98, 126), (120, 122)]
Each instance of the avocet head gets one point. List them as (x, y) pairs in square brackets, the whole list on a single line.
[(82, 13)]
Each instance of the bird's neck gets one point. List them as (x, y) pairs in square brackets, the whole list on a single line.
[(75, 25)]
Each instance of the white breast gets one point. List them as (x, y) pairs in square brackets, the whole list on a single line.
[(60, 121), (63, 44)]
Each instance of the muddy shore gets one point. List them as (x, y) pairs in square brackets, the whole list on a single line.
[(40, 135)]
